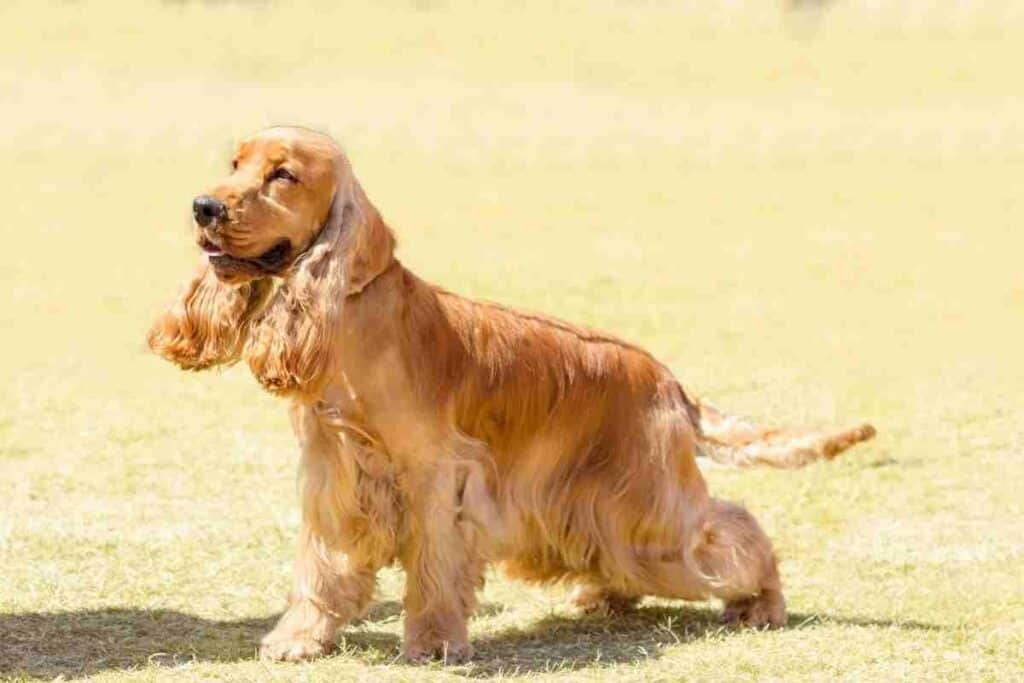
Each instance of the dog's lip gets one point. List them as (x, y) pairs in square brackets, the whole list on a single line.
[(210, 248), (270, 260)]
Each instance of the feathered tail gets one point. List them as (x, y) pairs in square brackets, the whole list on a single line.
[(738, 442)]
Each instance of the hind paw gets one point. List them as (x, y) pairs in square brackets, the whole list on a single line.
[(765, 610), (591, 600)]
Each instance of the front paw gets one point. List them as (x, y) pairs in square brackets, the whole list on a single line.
[(447, 652), (292, 648)]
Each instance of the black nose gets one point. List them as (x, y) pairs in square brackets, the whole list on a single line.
[(207, 209)]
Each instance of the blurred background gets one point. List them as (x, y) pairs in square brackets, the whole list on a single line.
[(812, 211)]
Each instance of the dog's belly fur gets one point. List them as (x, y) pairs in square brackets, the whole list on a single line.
[(590, 514)]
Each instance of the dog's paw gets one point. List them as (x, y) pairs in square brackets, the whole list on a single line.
[(293, 648), (588, 600), (446, 652), (765, 610)]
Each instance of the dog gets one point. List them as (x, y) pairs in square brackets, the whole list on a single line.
[(445, 434)]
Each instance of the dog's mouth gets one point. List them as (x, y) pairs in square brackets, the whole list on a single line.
[(269, 262)]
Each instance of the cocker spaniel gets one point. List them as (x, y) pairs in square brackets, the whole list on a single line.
[(445, 434)]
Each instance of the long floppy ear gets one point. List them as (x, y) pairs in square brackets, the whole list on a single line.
[(207, 324), (290, 347), (369, 247)]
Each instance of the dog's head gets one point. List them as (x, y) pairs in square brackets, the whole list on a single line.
[(289, 209), (273, 203)]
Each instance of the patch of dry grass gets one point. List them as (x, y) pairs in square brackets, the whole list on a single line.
[(814, 218)]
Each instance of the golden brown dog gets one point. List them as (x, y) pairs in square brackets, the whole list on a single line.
[(445, 434)]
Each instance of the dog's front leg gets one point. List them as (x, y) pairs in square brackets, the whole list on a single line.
[(350, 517), (444, 567), (331, 589)]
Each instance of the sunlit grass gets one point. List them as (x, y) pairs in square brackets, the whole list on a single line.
[(811, 218)]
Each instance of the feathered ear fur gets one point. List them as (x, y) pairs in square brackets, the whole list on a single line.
[(369, 248), (207, 324), (289, 348)]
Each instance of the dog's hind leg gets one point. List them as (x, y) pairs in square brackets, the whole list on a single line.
[(722, 554), (733, 559)]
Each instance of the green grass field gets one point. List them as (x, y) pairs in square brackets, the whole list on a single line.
[(812, 218)]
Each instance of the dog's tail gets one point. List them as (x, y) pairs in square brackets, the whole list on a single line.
[(738, 442)]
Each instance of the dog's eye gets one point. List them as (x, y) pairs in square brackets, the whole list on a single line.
[(234, 164), (282, 174)]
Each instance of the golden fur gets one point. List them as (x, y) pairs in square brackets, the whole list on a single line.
[(445, 434)]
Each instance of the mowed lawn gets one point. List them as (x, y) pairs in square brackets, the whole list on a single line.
[(812, 218)]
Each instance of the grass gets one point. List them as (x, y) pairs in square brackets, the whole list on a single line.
[(812, 218)]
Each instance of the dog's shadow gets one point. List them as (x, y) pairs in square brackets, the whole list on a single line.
[(83, 643), (563, 643)]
